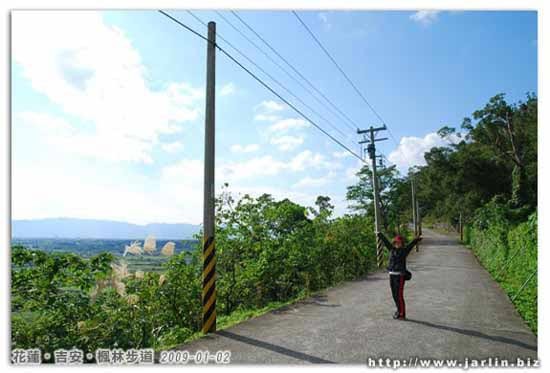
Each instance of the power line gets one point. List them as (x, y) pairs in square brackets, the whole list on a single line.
[(270, 76), (280, 67), (343, 72), (354, 125), (265, 85), (286, 71), (338, 66), (289, 104), (184, 25)]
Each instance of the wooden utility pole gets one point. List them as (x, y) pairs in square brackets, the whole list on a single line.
[(209, 247), (371, 148)]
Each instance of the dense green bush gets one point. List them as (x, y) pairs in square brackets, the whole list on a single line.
[(508, 250), (268, 252), (64, 301), (271, 250)]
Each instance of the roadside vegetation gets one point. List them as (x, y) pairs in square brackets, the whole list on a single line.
[(508, 250)]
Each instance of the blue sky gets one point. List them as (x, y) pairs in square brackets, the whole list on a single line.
[(108, 107)]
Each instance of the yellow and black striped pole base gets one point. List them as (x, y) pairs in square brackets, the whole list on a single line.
[(379, 252), (209, 286)]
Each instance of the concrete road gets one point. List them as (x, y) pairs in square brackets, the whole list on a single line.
[(454, 310)]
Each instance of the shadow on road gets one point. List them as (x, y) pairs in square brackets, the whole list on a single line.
[(274, 348), (320, 304), (319, 300), (475, 333)]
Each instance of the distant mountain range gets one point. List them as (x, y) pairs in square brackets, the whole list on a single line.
[(98, 229)]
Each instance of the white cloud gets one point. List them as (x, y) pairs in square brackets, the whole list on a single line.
[(285, 125), (323, 16), (278, 128), (59, 134), (267, 111), (270, 106), (266, 117), (182, 182), (351, 172), (174, 196), (254, 167), (342, 154), (269, 166), (227, 89), (312, 182), (107, 109), (250, 148), (190, 171), (410, 151), (286, 143), (94, 73), (172, 147), (307, 159), (117, 195), (425, 17), (45, 123)]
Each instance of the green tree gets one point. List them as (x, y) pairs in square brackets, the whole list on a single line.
[(511, 130), (361, 195)]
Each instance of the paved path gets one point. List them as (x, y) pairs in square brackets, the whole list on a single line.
[(454, 310)]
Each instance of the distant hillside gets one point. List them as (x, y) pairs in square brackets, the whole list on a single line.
[(101, 229)]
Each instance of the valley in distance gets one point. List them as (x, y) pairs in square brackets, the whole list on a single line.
[(88, 237)]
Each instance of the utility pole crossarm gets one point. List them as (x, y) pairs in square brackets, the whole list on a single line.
[(360, 132), (375, 140)]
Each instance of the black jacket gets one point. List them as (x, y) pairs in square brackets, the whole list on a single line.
[(398, 257)]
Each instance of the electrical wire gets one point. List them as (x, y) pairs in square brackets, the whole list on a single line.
[(270, 76), (265, 85), (343, 73), (280, 67), (353, 125)]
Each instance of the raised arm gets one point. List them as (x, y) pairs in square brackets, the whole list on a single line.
[(411, 244), (387, 243)]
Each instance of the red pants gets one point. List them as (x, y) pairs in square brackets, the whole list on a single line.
[(397, 284)]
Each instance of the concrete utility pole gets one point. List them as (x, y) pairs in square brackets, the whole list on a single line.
[(413, 198), (418, 220), (415, 210), (209, 247), (375, 187)]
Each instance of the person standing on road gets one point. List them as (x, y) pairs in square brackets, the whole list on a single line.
[(397, 268)]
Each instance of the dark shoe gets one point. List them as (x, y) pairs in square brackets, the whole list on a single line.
[(396, 315)]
